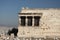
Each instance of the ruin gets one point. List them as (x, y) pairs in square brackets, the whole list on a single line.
[(39, 24)]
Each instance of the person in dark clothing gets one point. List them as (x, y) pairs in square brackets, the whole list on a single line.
[(14, 31)]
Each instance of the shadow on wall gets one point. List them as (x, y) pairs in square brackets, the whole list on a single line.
[(14, 31)]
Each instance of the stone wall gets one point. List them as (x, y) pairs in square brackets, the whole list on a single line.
[(49, 23)]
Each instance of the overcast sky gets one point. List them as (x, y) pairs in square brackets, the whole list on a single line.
[(9, 9)]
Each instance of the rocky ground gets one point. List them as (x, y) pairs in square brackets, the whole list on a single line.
[(4, 36), (3, 33)]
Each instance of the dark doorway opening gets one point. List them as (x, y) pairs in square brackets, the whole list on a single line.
[(23, 20), (36, 20), (29, 20)]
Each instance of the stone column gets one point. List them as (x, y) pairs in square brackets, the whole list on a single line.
[(19, 21), (26, 21), (39, 22), (33, 21)]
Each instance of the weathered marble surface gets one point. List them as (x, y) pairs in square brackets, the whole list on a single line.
[(49, 23)]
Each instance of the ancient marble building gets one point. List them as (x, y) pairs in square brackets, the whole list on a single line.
[(39, 23)]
